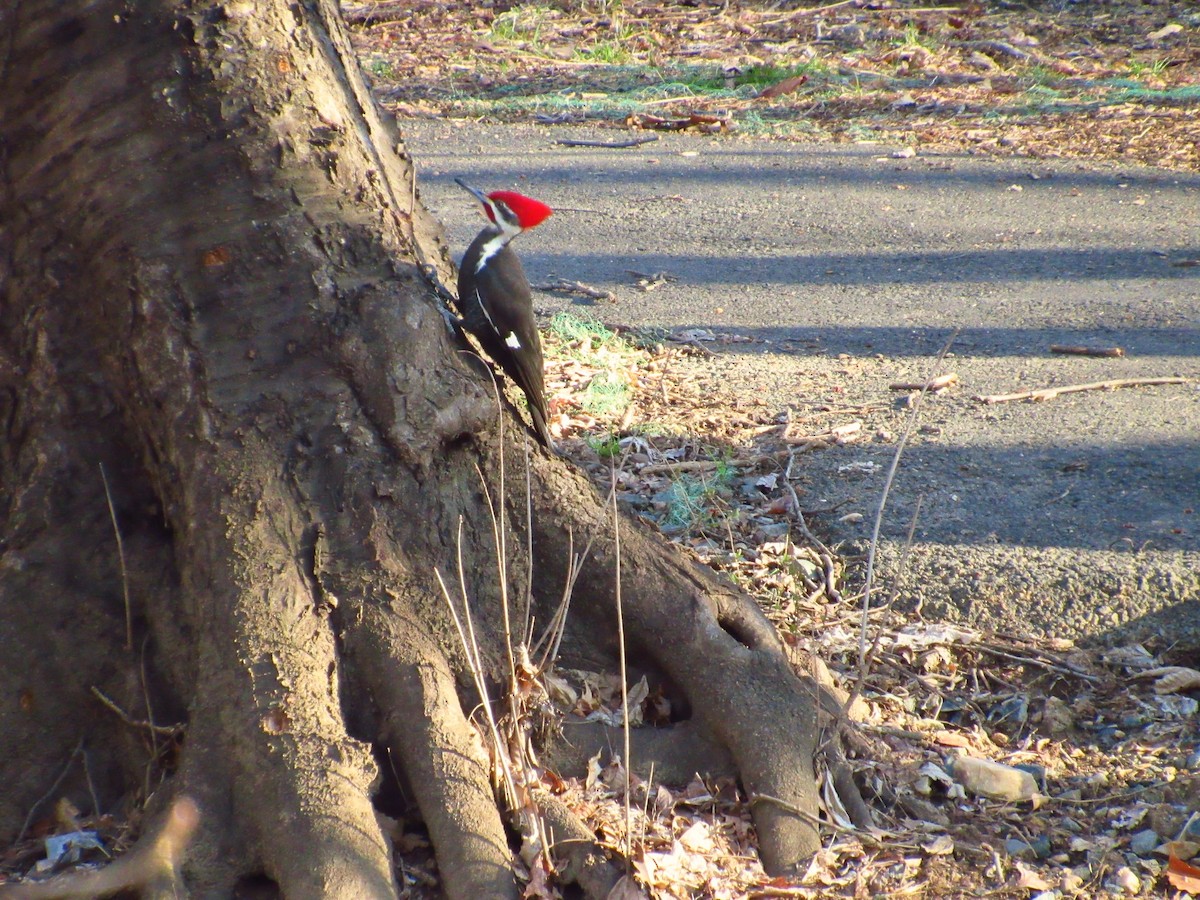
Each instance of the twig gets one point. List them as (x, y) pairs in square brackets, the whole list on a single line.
[(466, 639), (794, 810), (695, 345), (664, 101), (874, 546), (499, 538), (997, 47), (1062, 669), (1051, 393), (50, 793), (614, 145), (576, 287), (167, 730), (112, 514), (708, 465), (937, 385), (829, 570), (805, 12), (842, 434), (1081, 350)]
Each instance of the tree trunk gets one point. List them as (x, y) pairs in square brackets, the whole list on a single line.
[(218, 295)]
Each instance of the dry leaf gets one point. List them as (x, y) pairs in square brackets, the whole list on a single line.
[(780, 88), (1173, 679), (1029, 880), (942, 845), (1182, 875)]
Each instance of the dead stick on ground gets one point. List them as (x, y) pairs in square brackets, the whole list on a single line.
[(933, 384), (1086, 351), (575, 287), (1051, 393), (874, 545), (612, 145)]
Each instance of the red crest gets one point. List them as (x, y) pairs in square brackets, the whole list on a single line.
[(529, 212)]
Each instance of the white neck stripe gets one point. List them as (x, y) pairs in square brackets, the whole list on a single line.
[(493, 246)]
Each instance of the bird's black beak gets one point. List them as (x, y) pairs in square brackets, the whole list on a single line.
[(479, 195)]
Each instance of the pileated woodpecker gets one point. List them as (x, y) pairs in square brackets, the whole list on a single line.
[(494, 297)]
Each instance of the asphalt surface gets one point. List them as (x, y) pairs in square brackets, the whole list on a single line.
[(851, 269)]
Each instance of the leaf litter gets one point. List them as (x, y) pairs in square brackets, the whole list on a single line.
[(996, 764), (1063, 79)]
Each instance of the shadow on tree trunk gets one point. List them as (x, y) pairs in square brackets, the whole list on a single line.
[(218, 281)]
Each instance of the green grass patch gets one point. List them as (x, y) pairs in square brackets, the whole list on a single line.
[(381, 68), (570, 328), (607, 394), (522, 23), (697, 502), (607, 446), (590, 342), (1154, 69), (709, 80)]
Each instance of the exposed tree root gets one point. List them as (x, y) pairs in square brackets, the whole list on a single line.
[(715, 646), (440, 754), (579, 858)]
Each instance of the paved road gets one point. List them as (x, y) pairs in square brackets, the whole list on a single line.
[(852, 268)]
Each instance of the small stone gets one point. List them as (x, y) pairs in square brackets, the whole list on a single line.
[(1018, 848), (1165, 32), (1144, 842), (1057, 717), (1127, 881), (993, 779), (1037, 771)]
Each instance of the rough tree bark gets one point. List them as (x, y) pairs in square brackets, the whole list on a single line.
[(216, 281)]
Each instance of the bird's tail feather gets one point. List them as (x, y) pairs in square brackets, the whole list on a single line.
[(540, 428)]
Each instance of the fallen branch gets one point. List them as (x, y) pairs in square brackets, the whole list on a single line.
[(702, 122), (576, 287), (168, 730), (935, 385), (842, 434), (998, 48), (1086, 351), (614, 145), (1051, 393)]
